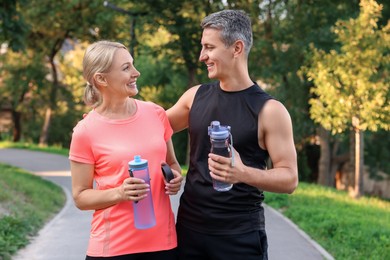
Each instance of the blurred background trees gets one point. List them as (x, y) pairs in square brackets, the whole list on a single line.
[(308, 54), (351, 84)]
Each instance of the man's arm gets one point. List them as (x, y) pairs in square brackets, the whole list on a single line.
[(178, 114), (275, 134)]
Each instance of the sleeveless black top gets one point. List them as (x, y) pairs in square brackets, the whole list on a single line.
[(201, 207)]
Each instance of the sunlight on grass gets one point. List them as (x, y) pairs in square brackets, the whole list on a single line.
[(26, 202), (57, 149), (345, 227)]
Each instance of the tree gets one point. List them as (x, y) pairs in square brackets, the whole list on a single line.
[(180, 50), (49, 40), (48, 37), (351, 84), (282, 36), (13, 28), (23, 76)]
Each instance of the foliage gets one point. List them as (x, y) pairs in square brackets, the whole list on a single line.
[(352, 83), (377, 153), (57, 94), (284, 32), (24, 82), (282, 37), (26, 202), (167, 36), (343, 226), (161, 80), (23, 77), (34, 147), (13, 28)]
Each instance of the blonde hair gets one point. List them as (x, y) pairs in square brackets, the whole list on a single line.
[(98, 58)]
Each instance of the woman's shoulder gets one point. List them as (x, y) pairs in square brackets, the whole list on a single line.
[(148, 105), (151, 107), (85, 121)]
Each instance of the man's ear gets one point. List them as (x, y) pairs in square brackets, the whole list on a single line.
[(100, 79), (239, 48)]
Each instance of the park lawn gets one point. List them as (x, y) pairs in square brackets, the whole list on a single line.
[(27, 202), (347, 228), (35, 147)]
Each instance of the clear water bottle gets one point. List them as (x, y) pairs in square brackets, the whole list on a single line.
[(220, 144), (143, 210)]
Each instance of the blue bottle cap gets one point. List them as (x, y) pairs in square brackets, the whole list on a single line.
[(138, 163), (217, 131)]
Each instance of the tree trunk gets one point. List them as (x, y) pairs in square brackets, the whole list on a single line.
[(358, 160), (43, 139), (17, 131), (324, 162), (335, 164), (45, 128)]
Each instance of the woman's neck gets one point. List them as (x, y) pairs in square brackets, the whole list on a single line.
[(117, 110)]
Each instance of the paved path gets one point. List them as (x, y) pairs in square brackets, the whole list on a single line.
[(65, 237)]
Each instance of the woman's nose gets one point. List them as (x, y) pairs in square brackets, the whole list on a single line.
[(136, 73)]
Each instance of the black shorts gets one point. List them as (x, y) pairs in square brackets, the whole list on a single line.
[(193, 245), (158, 255)]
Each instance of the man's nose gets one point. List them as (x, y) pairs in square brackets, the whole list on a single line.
[(202, 56)]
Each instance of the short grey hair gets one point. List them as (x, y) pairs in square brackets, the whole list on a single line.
[(233, 24)]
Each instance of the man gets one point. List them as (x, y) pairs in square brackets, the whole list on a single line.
[(230, 225)]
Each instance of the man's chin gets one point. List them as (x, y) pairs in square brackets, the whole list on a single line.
[(211, 76)]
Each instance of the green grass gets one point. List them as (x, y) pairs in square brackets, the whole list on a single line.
[(27, 202), (345, 227), (34, 147)]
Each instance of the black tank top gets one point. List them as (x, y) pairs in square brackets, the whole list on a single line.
[(201, 207)]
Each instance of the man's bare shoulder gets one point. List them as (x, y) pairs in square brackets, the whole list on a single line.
[(273, 113), (188, 97), (192, 90), (273, 107)]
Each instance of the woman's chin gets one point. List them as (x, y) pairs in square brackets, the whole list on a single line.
[(132, 92)]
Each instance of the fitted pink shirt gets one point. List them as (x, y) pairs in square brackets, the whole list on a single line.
[(109, 145)]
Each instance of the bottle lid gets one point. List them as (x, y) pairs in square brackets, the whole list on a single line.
[(167, 172), (138, 163), (218, 131)]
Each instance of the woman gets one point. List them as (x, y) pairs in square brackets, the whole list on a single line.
[(116, 129)]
